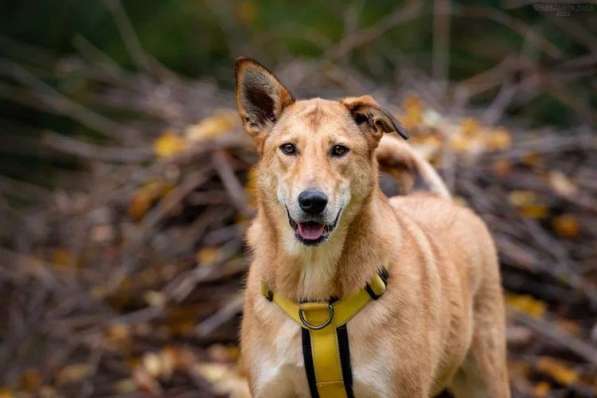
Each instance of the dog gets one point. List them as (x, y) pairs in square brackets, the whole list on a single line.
[(324, 231)]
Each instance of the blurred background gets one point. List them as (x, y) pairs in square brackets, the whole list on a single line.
[(125, 179)]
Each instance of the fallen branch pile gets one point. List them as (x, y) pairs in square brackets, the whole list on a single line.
[(126, 276)]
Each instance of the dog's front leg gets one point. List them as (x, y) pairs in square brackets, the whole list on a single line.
[(412, 380), (275, 394), (276, 388), (268, 380)]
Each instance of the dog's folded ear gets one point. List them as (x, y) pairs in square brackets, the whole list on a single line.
[(260, 97), (372, 118)]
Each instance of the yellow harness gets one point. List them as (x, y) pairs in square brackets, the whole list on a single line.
[(325, 337)]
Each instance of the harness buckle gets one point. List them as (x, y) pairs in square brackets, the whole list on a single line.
[(316, 307)]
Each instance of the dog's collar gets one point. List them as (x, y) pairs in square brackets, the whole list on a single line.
[(325, 337)]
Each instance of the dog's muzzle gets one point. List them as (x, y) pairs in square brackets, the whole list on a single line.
[(312, 230)]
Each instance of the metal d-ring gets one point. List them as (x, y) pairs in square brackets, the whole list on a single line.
[(309, 325)]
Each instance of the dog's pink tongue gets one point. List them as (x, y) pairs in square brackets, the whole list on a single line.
[(310, 230)]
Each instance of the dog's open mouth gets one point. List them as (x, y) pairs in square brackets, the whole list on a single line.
[(312, 232)]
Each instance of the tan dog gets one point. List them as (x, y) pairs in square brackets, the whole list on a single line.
[(324, 227)]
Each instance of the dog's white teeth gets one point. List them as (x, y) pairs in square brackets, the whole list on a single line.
[(310, 230)]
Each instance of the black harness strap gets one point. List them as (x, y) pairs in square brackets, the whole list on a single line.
[(342, 333), (309, 367)]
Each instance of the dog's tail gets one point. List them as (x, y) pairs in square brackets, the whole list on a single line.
[(401, 161)]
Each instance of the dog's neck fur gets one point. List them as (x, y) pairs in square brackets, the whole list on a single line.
[(335, 268)]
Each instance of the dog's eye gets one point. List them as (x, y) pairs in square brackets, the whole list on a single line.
[(339, 150), (288, 149)]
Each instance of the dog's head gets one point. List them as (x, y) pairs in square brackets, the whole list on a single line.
[(317, 165)]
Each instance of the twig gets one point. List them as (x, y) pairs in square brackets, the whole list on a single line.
[(514, 24), (61, 104), (549, 331), (96, 56), (500, 103), (143, 60), (232, 308), (441, 41), (26, 52), (173, 199), (233, 186), (548, 145), (360, 38), (96, 152), (23, 266), (575, 30)]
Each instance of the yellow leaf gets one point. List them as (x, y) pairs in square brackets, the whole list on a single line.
[(561, 184), (207, 255), (558, 370), (570, 326), (212, 127), (144, 381), (168, 361), (5, 393), (502, 167), (73, 373), (461, 143), (413, 112), (168, 144), (225, 379), (102, 233), (159, 364), (247, 12), (146, 196), (118, 333), (566, 226), (182, 327), (527, 304), (498, 140), (427, 145), (151, 364), (532, 159), (534, 211), (541, 390), (518, 368), (63, 258), (30, 380), (529, 204), (522, 198), (213, 372), (47, 392), (470, 127), (155, 299), (125, 386), (432, 119), (223, 353)]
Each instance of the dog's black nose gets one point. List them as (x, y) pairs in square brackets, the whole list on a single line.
[(312, 201)]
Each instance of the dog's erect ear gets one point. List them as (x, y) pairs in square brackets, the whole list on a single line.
[(260, 97), (372, 118)]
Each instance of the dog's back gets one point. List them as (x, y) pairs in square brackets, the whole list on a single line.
[(430, 205), (459, 234)]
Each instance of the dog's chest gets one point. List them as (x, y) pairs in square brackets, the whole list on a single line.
[(281, 371)]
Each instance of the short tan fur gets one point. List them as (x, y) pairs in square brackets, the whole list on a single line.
[(441, 322)]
